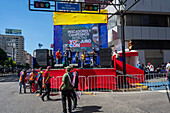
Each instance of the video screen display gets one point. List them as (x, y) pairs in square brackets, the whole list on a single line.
[(81, 37)]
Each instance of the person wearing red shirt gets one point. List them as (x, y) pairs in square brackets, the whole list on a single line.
[(32, 80), (46, 83), (58, 57)]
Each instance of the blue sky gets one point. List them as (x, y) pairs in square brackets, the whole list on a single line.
[(37, 27)]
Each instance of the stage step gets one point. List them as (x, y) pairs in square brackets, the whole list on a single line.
[(58, 65), (76, 65)]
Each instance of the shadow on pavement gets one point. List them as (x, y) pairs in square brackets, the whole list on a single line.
[(88, 109), (55, 99)]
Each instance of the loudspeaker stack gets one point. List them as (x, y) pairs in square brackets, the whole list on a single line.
[(42, 56), (105, 57)]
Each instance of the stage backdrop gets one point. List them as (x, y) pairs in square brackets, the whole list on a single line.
[(92, 32), (80, 37)]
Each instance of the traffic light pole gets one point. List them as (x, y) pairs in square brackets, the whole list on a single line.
[(123, 47), (123, 41)]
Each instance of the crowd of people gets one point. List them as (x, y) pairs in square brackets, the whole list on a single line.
[(41, 80), (79, 59), (150, 68)]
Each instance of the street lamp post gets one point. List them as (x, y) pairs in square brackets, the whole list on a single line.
[(123, 41)]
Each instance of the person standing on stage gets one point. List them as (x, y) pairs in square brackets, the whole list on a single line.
[(94, 56), (46, 83), (83, 58), (22, 81), (116, 55), (75, 83), (59, 57), (32, 80), (77, 57), (68, 56), (39, 79), (66, 89)]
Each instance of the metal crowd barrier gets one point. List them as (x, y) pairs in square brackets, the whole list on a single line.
[(130, 82), (53, 84), (56, 82), (82, 84), (152, 81), (155, 81), (101, 83)]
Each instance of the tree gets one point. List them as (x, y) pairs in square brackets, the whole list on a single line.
[(3, 56), (10, 63), (26, 65)]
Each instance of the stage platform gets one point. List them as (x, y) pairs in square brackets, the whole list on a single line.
[(91, 78), (85, 71)]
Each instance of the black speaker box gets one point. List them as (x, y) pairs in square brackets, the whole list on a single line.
[(42, 57), (105, 57)]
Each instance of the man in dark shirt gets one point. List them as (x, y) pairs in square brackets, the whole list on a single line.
[(94, 56), (68, 56)]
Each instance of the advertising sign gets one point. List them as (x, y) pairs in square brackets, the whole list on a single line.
[(12, 31), (68, 6), (81, 37)]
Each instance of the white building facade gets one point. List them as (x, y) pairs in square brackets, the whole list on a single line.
[(15, 47), (2, 42), (147, 25)]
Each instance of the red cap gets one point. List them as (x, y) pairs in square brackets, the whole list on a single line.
[(149, 63)]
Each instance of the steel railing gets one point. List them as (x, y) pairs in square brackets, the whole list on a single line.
[(94, 83), (101, 83), (130, 82), (156, 81)]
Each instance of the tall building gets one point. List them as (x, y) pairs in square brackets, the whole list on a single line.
[(2, 42), (147, 25), (15, 47), (27, 58)]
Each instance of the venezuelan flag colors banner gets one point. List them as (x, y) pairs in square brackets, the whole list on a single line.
[(60, 18)]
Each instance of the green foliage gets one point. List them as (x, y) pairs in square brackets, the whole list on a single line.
[(9, 62), (3, 56), (26, 65)]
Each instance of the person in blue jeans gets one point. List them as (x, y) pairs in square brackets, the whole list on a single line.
[(168, 74), (39, 80), (22, 81)]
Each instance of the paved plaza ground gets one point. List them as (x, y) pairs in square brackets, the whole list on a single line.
[(107, 102)]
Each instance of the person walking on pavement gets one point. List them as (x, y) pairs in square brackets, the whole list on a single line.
[(22, 81), (168, 74), (39, 79), (46, 83), (32, 80), (66, 89), (75, 83)]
